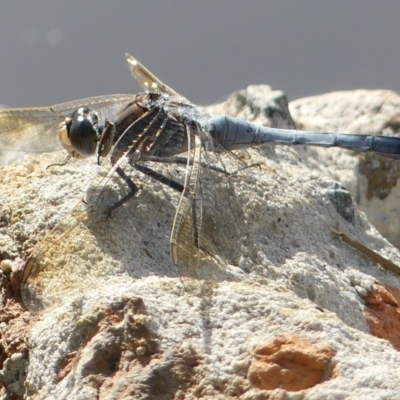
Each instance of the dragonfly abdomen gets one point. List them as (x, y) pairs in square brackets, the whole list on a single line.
[(235, 134)]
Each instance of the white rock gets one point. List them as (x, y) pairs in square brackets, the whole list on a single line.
[(371, 180), (296, 281)]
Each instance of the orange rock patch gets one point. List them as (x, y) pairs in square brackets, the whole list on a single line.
[(290, 363), (382, 312)]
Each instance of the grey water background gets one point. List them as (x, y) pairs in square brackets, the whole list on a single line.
[(53, 50)]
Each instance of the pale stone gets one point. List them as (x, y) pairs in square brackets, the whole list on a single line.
[(294, 279), (371, 180)]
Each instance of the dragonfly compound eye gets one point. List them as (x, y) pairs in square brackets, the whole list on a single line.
[(82, 131)]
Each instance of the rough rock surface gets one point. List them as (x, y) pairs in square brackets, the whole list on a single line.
[(371, 179), (301, 316)]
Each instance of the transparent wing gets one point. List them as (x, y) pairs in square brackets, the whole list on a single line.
[(34, 130), (207, 231), (147, 80), (29, 129), (209, 223), (67, 261), (106, 106), (186, 230)]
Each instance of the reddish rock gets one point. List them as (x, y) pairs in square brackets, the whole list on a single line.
[(290, 363), (383, 313)]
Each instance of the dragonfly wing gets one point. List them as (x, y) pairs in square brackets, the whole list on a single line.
[(106, 106), (34, 130), (193, 247), (65, 263), (210, 225), (60, 266), (29, 129), (147, 80)]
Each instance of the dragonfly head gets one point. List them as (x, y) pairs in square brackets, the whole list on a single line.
[(79, 133)]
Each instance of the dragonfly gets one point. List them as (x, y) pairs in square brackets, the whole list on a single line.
[(137, 132)]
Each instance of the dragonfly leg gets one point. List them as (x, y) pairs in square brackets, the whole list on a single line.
[(61, 164), (160, 178), (132, 191), (245, 167), (184, 161)]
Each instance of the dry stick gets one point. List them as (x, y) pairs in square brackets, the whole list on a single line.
[(373, 255)]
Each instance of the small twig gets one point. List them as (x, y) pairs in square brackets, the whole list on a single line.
[(373, 255)]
